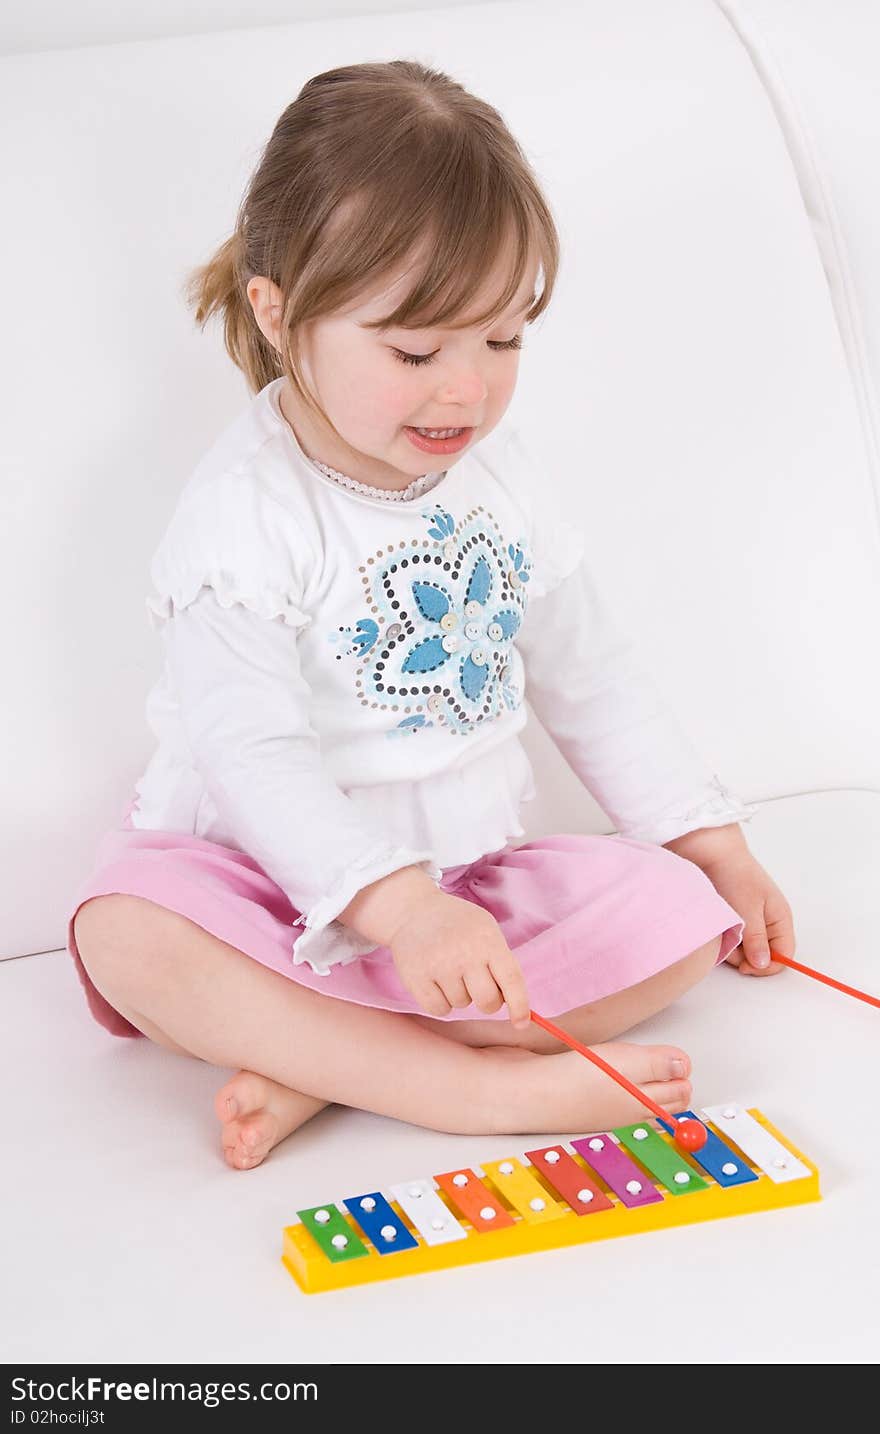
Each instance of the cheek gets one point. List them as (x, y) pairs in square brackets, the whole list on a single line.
[(503, 388), (356, 392), (358, 383), (386, 398), (379, 403)]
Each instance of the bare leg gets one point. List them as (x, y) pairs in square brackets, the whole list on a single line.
[(183, 986)]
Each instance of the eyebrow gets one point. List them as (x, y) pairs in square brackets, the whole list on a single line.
[(427, 329)]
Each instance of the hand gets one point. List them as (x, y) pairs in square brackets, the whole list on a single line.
[(723, 854), (450, 953), (753, 894)]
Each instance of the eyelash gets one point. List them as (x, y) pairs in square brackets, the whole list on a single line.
[(419, 359)]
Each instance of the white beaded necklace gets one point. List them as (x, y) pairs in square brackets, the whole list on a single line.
[(403, 495)]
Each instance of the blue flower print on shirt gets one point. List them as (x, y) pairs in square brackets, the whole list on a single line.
[(409, 726), (361, 639), (444, 524), (440, 648), (519, 563)]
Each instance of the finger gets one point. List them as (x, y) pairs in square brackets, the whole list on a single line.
[(455, 991), (772, 970), (510, 978), (769, 926), (431, 998), (486, 994), (756, 947), (737, 959), (752, 968), (780, 928)]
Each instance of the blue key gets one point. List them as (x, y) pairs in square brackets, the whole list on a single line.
[(726, 1166), (379, 1223)]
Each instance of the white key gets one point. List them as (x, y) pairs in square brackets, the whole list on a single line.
[(762, 1148), (434, 1221)]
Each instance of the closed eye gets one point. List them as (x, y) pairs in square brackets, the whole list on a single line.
[(419, 359)]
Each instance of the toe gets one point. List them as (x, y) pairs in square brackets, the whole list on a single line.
[(225, 1104), (253, 1139), (246, 1092), (657, 1063), (255, 1134), (674, 1096), (670, 1063), (240, 1159)]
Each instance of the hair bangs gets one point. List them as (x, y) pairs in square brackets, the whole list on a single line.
[(464, 245)]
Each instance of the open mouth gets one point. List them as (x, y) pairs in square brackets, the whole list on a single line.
[(439, 440)]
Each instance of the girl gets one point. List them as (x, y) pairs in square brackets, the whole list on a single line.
[(316, 882)]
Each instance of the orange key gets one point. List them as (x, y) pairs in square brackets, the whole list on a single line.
[(475, 1200)]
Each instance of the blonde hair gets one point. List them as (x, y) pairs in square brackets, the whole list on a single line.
[(370, 165)]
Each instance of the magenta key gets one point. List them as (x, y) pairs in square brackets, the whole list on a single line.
[(628, 1181)]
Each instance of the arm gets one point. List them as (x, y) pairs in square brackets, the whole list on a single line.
[(245, 710), (607, 717), (707, 845)]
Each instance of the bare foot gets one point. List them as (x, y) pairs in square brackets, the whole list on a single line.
[(256, 1113), (566, 1092)]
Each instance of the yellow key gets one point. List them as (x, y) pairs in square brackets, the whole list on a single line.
[(522, 1189)]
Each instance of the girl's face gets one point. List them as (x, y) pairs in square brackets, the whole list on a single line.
[(461, 378)]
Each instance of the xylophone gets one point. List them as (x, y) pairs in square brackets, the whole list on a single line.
[(618, 1182)]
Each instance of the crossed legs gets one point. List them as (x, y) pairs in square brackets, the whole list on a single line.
[(297, 1050)]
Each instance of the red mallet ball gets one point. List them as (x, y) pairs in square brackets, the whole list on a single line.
[(690, 1135)]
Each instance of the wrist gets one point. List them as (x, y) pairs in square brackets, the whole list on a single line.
[(709, 844), (378, 910)]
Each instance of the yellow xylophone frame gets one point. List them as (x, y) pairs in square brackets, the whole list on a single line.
[(314, 1273)]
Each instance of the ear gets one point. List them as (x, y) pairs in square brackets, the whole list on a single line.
[(266, 301)]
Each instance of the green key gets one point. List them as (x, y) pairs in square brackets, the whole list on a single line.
[(661, 1158), (333, 1233)]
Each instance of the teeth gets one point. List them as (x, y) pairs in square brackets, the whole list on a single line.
[(439, 432)]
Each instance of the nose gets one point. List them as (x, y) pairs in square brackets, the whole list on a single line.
[(467, 391)]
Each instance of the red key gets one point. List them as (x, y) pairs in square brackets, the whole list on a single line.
[(570, 1179)]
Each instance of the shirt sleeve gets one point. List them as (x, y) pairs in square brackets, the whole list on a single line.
[(228, 533), (606, 715), (244, 706)]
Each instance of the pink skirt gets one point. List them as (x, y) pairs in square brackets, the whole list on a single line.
[(585, 916)]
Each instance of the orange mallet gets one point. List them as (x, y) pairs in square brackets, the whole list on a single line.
[(828, 980), (688, 1134)]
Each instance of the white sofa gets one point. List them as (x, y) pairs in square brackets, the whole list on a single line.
[(705, 390)]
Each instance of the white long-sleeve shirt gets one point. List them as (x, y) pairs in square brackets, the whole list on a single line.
[(345, 676)]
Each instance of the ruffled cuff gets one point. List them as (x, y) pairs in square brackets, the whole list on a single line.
[(327, 942), (267, 602), (718, 807)]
